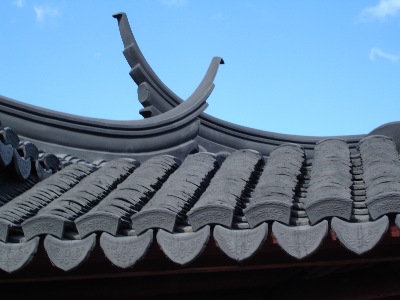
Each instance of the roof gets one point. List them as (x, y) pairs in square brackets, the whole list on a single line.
[(187, 182)]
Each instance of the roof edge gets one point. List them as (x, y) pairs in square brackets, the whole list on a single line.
[(216, 134)]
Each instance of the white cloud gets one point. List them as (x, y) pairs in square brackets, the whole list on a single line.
[(376, 52), (19, 3), (381, 11), (43, 11), (171, 3)]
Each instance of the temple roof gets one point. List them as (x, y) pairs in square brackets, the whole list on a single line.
[(186, 181), (230, 196)]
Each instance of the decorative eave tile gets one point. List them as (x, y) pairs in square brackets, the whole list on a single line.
[(240, 244), (14, 256), (300, 241), (69, 254), (360, 237), (183, 248), (125, 251)]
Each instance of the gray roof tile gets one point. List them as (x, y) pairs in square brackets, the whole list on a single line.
[(296, 183), (240, 193)]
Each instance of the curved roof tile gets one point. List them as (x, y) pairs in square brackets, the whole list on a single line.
[(181, 177)]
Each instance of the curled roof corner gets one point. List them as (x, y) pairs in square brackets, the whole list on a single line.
[(163, 99), (215, 134), (171, 131)]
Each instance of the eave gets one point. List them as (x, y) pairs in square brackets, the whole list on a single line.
[(181, 196)]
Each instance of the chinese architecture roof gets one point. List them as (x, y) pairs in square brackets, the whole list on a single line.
[(181, 193)]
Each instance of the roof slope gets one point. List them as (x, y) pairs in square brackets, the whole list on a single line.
[(230, 196), (188, 182)]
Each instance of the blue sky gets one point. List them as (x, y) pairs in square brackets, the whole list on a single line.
[(299, 67)]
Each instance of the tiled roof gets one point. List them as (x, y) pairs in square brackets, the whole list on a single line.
[(230, 197), (183, 180)]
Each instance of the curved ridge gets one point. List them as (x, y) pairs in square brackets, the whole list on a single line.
[(176, 126), (142, 72), (53, 129), (215, 134)]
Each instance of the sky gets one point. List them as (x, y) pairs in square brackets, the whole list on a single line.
[(319, 68)]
